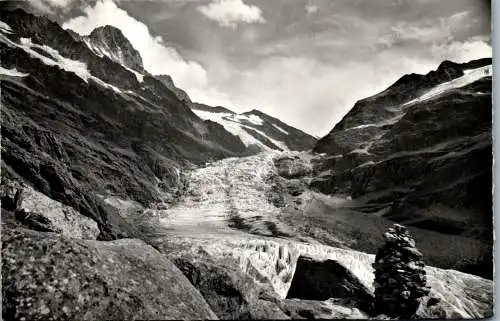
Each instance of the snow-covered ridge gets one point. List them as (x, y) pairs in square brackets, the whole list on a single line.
[(470, 76), (236, 124), (52, 57)]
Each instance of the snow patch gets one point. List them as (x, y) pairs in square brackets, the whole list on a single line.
[(232, 123), (280, 144), (390, 121), (280, 129), (12, 72), (54, 58), (5, 28), (77, 67), (139, 76), (470, 76)]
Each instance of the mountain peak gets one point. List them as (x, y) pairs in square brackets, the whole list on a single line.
[(110, 41)]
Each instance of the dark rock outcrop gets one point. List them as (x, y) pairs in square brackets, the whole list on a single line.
[(110, 41), (419, 153), (292, 167), (49, 277), (321, 281), (169, 83)]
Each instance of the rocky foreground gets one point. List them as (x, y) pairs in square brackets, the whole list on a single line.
[(224, 250)]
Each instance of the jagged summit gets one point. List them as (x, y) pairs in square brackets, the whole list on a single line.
[(110, 41)]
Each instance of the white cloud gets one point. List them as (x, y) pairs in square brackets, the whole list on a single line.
[(310, 9), (314, 95), (157, 57), (48, 6), (229, 13)]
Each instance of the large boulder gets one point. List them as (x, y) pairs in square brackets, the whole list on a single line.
[(50, 277), (323, 280), (36, 206), (230, 292)]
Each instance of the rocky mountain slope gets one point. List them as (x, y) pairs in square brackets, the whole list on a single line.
[(109, 41), (108, 132), (257, 130), (419, 153)]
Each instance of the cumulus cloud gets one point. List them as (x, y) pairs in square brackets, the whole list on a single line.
[(230, 13), (158, 58)]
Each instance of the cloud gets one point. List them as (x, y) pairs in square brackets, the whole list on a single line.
[(314, 95), (48, 6), (229, 13), (310, 9), (158, 58)]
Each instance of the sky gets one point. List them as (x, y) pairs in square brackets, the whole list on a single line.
[(305, 62)]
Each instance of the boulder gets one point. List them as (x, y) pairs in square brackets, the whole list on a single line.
[(50, 277), (39, 212), (230, 293), (323, 280)]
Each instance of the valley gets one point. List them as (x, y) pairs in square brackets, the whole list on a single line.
[(122, 198)]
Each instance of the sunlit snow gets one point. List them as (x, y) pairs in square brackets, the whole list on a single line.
[(54, 58), (470, 76), (12, 72), (5, 27), (280, 129), (235, 124)]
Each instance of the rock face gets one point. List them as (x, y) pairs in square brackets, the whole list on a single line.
[(111, 42), (50, 277), (419, 153), (400, 278), (169, 83), (105, 134), (258, 131), (292, 167)]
